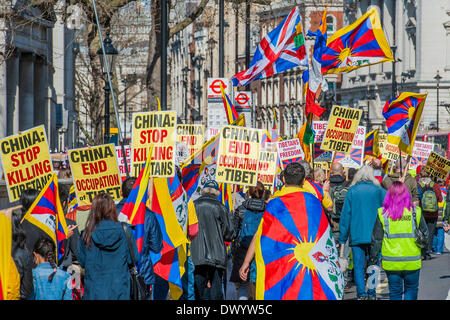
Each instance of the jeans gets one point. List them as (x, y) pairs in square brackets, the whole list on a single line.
[(438, 241), (187, 280), (360, 258), (204, 274), (242, 289), (404, 283)]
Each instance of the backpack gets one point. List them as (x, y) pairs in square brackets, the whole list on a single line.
[(428, 201), (338, 194)]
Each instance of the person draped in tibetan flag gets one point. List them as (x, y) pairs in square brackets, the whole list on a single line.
[(294, 249), (133, 209)]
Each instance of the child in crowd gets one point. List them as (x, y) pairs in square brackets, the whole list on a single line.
[(50, 282)]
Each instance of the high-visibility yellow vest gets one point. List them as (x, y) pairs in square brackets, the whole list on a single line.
[(399, 250)]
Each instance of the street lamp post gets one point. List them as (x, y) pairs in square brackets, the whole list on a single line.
[(198, 60), (438, 79), (125, 81), (394, 81), (211, 44), (110, 53), (185, 71)]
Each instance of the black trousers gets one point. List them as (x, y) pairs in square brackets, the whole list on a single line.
[(431, 224), (203, 274)]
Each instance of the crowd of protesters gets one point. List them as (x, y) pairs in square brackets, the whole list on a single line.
[(369, 212)]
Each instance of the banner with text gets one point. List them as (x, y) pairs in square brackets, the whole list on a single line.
[(319, 128), (420, 153), (437, 166), (157, 128), (121, 160), (267, 169), (341, 129), (290, 151), (354, 158), (26, 161), (238, 155), (391, 152), (192, 135), (95, 170)]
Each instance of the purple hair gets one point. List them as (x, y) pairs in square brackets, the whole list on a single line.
[(397, 199)]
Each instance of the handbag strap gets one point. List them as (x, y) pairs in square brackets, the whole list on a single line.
[(128, 238)]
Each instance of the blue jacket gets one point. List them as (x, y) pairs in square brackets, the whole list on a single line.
[(107, 263), (152, 242), (359, 213), (59, 289)]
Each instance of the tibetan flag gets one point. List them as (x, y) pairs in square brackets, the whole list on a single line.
[(47, 214), (225, 195), (417, 161), (295, 253), (265, 138), (371, 143), (72, 200), (402, 116), (305, 80), (360, 44), (230, 110), (274, 135), (169, 263), (133, 211), (280, 50), (444, 191), (353, 159)]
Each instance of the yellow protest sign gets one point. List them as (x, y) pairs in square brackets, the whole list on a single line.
[(192, 135), (267, 169), (157, 128), (26, 161), (238, 155), (95, 170), (391, 152), (437, 166), (324, 165), (341, 129)]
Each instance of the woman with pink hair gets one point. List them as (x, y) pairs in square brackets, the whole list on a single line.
[(394, 234)]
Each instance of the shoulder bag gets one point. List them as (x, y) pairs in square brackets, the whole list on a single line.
[(421, 239), (137, 285)]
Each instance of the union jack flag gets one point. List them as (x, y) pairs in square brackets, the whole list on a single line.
[(281, 49)]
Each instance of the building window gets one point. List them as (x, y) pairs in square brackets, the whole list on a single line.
[(331, 25)]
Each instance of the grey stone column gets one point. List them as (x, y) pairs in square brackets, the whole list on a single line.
[(40, 92), (26, 92), (12, 93)]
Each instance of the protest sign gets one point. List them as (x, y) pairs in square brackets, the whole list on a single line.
[(238, 155), (319, 128), (95, 170), (157, 128), (437, 166), (391, 152), (192, 135), (26, 161), (420, 153), (354, 158), (324, 165), (290, 151), (341, 129), (121, 160), (382, 140), (267, 169)]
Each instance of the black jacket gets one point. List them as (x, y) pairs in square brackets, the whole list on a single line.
[(214, 228), (24, 264), (70, 247)]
